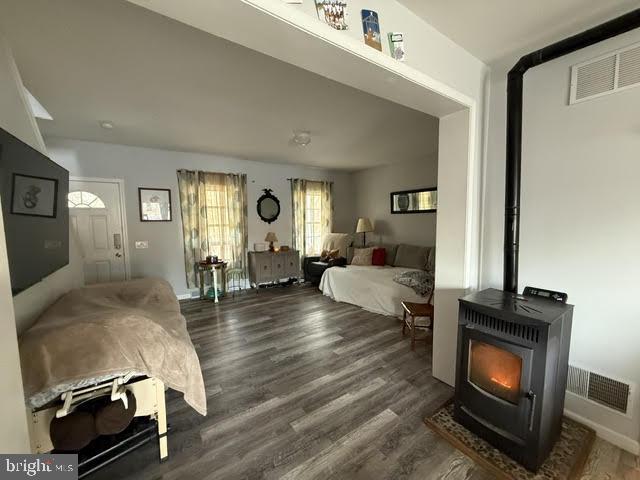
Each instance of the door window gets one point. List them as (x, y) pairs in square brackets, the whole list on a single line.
[(80, 199)]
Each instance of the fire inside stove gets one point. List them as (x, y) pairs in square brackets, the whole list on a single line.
[(495, 370)]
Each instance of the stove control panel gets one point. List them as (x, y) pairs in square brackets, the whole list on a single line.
[(542, 293)]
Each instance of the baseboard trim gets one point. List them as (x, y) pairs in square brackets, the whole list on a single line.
[(625, 443)]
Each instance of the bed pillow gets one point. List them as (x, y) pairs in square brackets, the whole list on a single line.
[(411, 256), (390, 251), (420, 281), (362, 256), (378, 257)]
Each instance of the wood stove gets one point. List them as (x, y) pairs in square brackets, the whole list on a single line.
[(511, 375)]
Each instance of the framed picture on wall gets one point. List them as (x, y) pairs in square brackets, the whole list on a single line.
[(371, 29), (155, 204), (34, 196), (422, 200), (333, 12)]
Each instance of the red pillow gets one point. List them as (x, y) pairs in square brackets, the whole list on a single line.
[(379, 256)]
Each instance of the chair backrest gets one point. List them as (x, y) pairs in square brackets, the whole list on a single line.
[(339, 241)]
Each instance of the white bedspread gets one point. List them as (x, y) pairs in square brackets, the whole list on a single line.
[(371, 288)]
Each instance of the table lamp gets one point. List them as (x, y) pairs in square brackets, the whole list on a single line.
[(364, 226), (271, 237)]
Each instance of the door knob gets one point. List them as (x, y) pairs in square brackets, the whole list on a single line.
[(118, 254)]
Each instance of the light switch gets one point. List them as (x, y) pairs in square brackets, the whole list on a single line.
[(142, 243)]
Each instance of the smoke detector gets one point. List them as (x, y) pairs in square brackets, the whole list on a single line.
[(106, 124), (301, 138)]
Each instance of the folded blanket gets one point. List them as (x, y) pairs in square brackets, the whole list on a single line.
[(420, 281), (106, 330)]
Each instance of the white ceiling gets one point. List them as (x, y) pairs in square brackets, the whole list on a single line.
[(167, 85), (494, 29)]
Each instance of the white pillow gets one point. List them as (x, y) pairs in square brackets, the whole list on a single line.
[(362, 256)]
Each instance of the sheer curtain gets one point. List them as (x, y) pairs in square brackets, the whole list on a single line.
[(312, 207), (214, 219)]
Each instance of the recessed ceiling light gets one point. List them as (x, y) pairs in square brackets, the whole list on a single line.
[(301, 138), (106, 124)]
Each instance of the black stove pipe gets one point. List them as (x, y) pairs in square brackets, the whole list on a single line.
[(613, 28)]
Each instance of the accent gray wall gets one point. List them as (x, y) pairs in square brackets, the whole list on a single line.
[(373, 187)]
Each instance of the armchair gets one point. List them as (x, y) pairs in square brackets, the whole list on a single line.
[(313, 268)]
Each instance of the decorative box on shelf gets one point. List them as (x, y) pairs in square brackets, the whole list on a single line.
[(272, 267), (260, 247)]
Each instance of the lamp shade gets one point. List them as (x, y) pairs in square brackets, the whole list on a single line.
[(364, 225), (271, 237)]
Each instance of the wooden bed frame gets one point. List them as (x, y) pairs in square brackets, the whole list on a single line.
[(150, 401)]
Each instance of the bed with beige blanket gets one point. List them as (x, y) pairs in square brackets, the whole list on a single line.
[(100, 332)]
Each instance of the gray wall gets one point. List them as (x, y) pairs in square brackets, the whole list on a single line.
[(373, 187), (580, 220), (157, 168)]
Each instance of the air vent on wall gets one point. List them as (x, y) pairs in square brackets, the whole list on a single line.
[(611, 393), (607, 74)]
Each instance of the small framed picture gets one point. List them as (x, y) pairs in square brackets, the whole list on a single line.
[(155, 204), (371, 29), (333, 12), (34, 196)]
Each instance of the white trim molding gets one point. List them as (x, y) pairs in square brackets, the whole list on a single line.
[(617, 439)]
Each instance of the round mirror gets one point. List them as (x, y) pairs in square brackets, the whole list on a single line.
[(268, 206)]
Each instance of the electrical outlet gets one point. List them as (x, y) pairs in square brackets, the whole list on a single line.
[(142, 243)]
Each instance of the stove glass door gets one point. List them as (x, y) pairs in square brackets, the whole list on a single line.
[(495, 371)]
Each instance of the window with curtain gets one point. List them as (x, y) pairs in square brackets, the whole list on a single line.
[(214, 219), (312, 206)]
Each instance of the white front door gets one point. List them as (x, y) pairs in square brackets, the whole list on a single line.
[(95, 213)]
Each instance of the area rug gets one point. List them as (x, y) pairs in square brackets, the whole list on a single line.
[(565, 462)]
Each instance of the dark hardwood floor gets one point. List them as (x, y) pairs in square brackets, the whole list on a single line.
[(301, 387)]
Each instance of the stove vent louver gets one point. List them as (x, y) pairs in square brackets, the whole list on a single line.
[(610, 73), (603, 390), (524, 332)]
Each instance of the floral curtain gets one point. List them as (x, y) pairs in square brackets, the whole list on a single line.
[(312, 207), (214, 219)]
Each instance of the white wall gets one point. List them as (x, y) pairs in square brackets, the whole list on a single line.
[(451, 275), (428, 50), (580, 219), (373, 186), (30, 303), (15, 117), (157, 168)]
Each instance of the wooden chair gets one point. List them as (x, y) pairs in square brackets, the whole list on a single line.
[(414, 310)]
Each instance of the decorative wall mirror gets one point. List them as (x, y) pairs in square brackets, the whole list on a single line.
[(422, 200), (268, 206)]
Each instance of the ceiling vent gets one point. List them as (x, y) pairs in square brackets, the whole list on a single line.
[(611, 393), (610, 73)]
